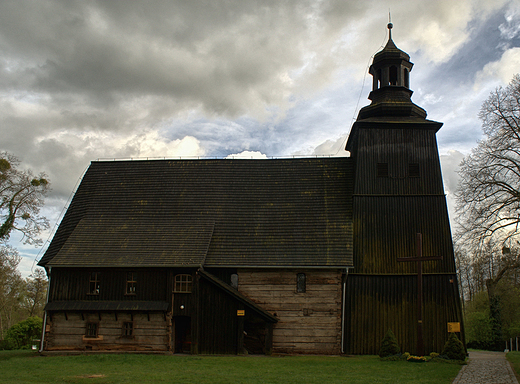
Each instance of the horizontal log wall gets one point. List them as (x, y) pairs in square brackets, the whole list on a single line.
[(309, 322), (66, 331)]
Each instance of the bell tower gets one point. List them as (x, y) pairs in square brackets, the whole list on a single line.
[(391, 94), (398, 193)]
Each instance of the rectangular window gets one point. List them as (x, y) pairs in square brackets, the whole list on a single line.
[(128, 329), (382, 169), (94, 283), (301, 283), (91, 330), (183, 283), (130, 283), (414, 170)]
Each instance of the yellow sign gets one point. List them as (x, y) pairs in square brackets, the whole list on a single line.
[(241, 312), (453, 327)]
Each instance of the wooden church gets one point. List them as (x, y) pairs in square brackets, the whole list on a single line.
[(282, 256)]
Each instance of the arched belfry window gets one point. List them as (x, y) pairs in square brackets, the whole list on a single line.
[(406, 78), (301, 283), (393, 75), (379, 79)]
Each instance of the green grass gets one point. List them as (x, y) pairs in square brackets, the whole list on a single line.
[(29, 367), (514, 359)]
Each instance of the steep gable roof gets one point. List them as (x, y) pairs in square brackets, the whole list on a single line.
[(282, 212)]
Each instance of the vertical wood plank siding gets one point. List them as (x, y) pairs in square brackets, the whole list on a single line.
[(378, 303), (218, 328), (388, 212), (73, 284), (398, 148), (385, 228), (309, 322)]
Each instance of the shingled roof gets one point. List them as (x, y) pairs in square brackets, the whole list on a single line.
[(262, 213)]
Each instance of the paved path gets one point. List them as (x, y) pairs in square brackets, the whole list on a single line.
[(486, 368)]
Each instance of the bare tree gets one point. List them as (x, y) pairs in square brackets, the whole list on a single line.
[(35, 292), (488, 196), (21, 197)]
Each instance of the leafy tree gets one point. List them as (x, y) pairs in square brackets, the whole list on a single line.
[(11, 287), (478, 330), (21, 335), (21, 197)]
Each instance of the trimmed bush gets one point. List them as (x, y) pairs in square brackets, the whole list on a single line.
[(389, 345), (454, 349), (20, 335)]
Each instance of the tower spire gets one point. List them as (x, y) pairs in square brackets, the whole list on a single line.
[(389, 25), (391, 83)]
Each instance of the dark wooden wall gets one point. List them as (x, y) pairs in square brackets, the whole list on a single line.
[(388, 213), (218, 322), (398, 147), (73, 284), (377, 303), (385, 228)]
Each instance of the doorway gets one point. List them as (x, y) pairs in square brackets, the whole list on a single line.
[(182, 334)]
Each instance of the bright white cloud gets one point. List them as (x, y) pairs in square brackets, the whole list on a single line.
[(247, 155), (501, 70)]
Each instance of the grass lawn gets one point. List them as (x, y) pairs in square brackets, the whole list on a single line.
[(29, 367), (514, 359)]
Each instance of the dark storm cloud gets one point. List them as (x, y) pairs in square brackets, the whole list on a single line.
[(81, 80)]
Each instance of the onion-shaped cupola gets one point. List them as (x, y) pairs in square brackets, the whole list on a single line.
[(391, 94)]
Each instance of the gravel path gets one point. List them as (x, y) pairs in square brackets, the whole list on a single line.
[(487, 368)]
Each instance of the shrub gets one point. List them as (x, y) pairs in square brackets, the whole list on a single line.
[(389, 345), (433, 355), (20, 335), (454, 348), (479, 332), (417, 359)]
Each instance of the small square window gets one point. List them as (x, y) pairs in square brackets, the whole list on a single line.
[(183, 283), (94, 284), (131, 283), (91, 330), (128, 329), (382, 170), (414, 170)]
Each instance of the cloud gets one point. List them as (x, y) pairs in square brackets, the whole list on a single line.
[(501, 70), (247, 155), (450, 163), (165, 78)]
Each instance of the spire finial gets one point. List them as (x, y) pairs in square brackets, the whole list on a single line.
[(390, 25)]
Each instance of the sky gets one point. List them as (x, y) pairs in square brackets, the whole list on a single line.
[(86, 80)]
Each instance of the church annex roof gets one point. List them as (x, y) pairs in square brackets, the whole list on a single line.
[(258, 213)]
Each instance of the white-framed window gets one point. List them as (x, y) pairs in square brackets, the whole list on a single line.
[(183, 283)]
